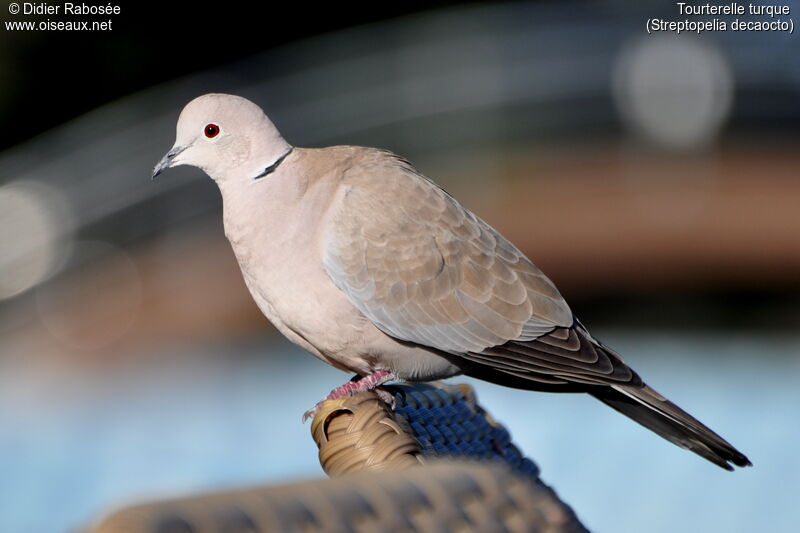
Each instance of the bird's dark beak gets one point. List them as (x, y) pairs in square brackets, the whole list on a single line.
[(166, 161)]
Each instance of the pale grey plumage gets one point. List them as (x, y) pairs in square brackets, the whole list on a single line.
[(370, 266), (424, 269)]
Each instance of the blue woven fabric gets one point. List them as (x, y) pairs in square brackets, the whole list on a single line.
[(446, 423)]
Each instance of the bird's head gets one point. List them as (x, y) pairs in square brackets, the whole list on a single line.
[(228, 137)]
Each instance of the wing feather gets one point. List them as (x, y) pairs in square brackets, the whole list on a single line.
[(424, 269)]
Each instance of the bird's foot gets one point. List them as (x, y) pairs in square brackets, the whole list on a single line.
[(372, 382)]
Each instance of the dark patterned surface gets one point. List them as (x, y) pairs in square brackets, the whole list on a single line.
[(447, 422)]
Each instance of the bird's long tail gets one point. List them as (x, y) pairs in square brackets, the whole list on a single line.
[(656, 413)]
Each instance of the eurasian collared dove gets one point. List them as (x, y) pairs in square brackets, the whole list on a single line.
[(364, 262)]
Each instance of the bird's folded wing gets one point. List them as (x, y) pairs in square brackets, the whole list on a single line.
[(424, 269)]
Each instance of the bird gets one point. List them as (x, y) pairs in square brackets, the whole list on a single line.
[(361, 260)]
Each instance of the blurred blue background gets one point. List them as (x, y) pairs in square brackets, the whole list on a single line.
[(653, 178)]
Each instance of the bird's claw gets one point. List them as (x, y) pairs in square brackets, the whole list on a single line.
[(386, 396), (311, 413), (372, 382)]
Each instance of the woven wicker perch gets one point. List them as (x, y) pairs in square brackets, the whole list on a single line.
[(394, 470), (428, 421), (429, 424)]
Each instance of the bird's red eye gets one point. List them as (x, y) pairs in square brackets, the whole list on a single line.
[(212, 130)]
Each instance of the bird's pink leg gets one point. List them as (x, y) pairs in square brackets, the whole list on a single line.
[(367, 383)]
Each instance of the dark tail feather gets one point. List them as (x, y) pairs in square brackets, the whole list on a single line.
[(656, 413)]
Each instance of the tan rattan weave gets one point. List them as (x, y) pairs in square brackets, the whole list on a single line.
[(359, 433), (437, 498)]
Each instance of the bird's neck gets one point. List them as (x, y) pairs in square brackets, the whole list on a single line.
[(275, 225), (269, 210), (280, 210), (247, 198)]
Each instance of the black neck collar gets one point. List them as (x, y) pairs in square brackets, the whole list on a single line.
[(274, 166)]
